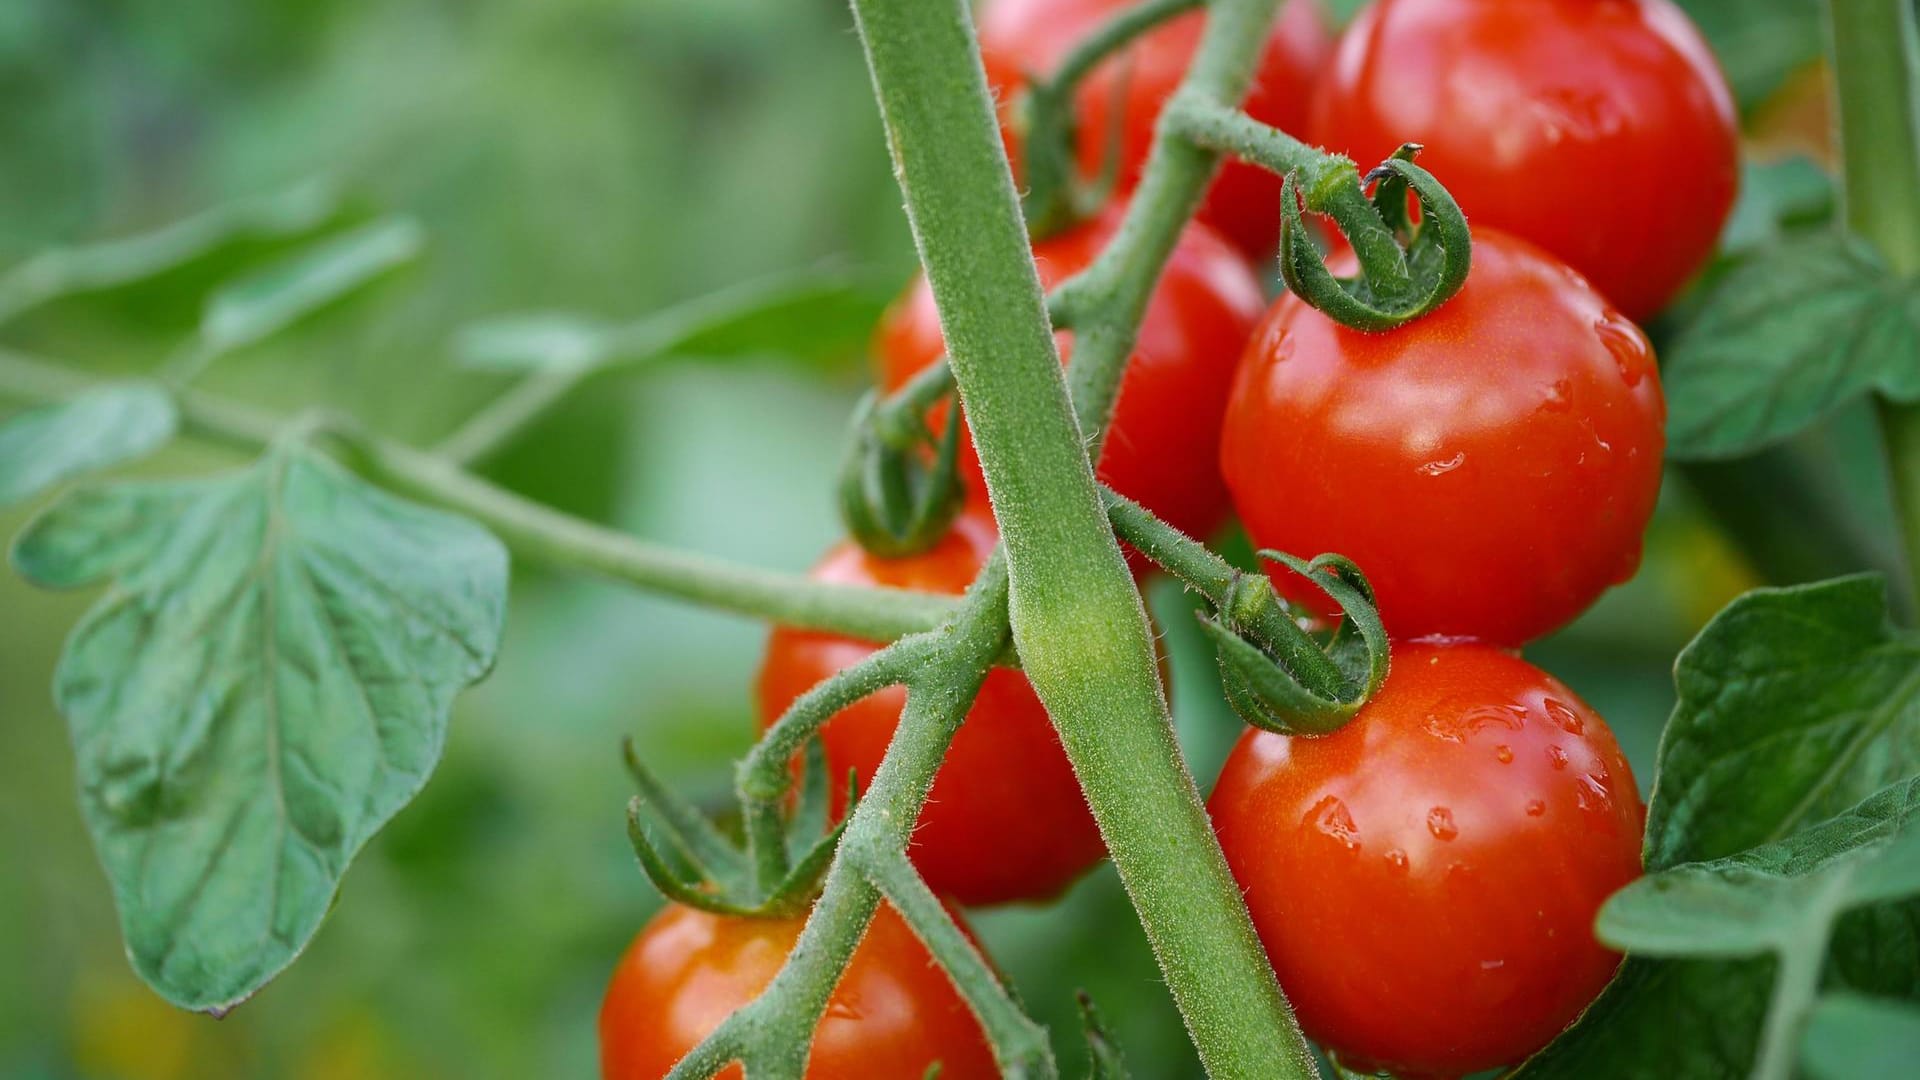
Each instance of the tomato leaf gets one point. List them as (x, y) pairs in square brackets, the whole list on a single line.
[(1789, 336), (103, 427), (1850, 1036), (260, 304), (816, 316), (63, 271), (1794, 704), (264, 685), (1727, 955)]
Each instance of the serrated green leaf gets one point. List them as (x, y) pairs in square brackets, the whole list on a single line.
[(1797, 331), (1700, 995), (63, 271), (103, 427), (1850, 1036), (812, 316), (261, 304), (1794, 704), (264, 685)]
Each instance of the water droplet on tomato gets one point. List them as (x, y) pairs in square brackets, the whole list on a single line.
[(1330, 816), (1626, 344), (1592, 795), (1456, 722), (1443, 466), (1563, 716), (1504, 754), (1559, 397), (1536, 808), (1440, 823), (1397, 859), (1557, 757)]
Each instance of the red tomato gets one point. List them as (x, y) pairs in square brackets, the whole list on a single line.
[(1425, 879), (1491, 466), (1019, 38), (1601, 130), (1166, 421), (1006, 820), (894, 1012)]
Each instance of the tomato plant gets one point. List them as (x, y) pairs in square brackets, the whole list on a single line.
[(1005, 820), (1116, 105), (1445, 442), (1173, 394), (1491, 466), (1604, 132), (893, 1013), (1425, 880)]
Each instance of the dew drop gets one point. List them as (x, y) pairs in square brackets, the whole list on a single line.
[(1557, 757), (1626, 344), (1559, 397), (1440, 823), (1504, 754), (1444, 466), (1455, 723), (1331, 817), (1536, 808), (1592, 795), (1397, 859), (1563, 715), (1492, 965)]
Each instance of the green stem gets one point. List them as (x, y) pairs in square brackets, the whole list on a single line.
[(506, 417), (536, 532), (1077, 621), (1876, 63)]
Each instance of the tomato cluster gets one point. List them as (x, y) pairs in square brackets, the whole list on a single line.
[(1425, 879)]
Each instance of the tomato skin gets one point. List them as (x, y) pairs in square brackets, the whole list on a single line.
[(894, 1012), (1491, 466), (1006, 820), (1166, 420), (1601, 130), (1019, 38), (1425, 880)]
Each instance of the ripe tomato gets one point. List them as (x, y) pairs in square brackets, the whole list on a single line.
[(1601, 130), (1021, 38), (1491, 466), (894, 1012), (1425, 879), (1006, 820), (1166, 421)]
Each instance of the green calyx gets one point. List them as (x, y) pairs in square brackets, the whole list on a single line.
[(692, 862), (899, 487), (1406, 270), (1276, 676)]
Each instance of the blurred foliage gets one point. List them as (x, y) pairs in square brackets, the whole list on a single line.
[(604, 157)]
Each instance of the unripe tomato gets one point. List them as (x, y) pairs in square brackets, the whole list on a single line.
[(1425, 879), (1022, 38), (1601, 130), (894, 1012), (1166, 421), (1006, 820), (1491, 466)]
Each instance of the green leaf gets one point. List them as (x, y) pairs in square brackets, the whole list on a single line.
[(1788, 337), (103, 427), (62, 271), (1727, 955), (1850, 1036), (266, 682), (813, 316), (261, 304), (1774, 196), (1794, 704)]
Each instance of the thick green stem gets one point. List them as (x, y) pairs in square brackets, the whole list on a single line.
[(537, 532), (1876, 63), (1077, 621)]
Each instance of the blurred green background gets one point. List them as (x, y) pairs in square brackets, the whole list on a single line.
[(602, 156)]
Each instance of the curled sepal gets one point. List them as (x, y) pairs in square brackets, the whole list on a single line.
[(1103, 1054), (693, 863), (1275, 676), (1406, 270), (898, 496), (1359, 644)]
